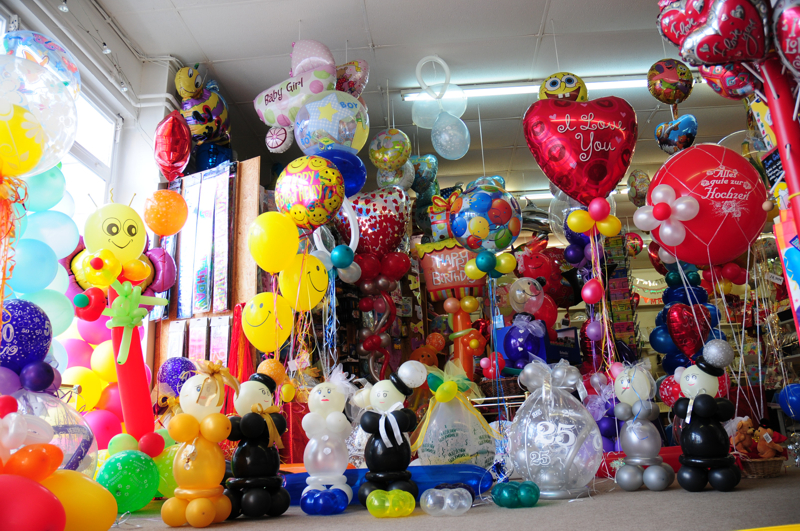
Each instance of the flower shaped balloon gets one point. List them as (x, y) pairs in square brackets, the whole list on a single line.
[(667, 214)]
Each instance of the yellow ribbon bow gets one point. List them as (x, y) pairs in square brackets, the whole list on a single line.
[(172, 403), (440, 204), (418, 328), (215, 371), (274, 436)]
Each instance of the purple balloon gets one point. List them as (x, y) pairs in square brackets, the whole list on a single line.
[(575, 238), (521, 363), (26, 332), (594, 330), (520, 343), (610, 403), (175, 371), (608, 445), (37, 376), (618, 444), (625, 351), (9, 381), (573, 254), (53, 389), (608, 427)]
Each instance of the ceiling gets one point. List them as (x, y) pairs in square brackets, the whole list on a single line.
[(245, 45)]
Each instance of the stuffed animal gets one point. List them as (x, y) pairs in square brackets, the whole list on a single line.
[(742, 441), (765, 447)]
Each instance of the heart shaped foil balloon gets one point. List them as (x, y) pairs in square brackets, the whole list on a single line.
[(382, 218), (785, 26), (584, 148), (678, 19), (688, 326), (669, 391), (352, 77)]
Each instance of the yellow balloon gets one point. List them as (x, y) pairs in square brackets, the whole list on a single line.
[(610, 226), (262, 329), (136, 270), (103, 362), (105, 276), (21, 140), (725, 286), (273, 241), (205, 471), (215, 427), (200, 512), (447, 391), (469, 304), (89, 506), (479, 227), (183, 427), (506, 263), (119, 229), (287, 392), (580, 221), (304, 282), (173, 512), (91, 387), (472, 271)]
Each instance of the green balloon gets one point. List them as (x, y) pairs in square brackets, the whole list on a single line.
[(45, 190), (694, 278), (122, 442), (132, 478), (56, 305), (673, 279), (166, 479), (528, 493), (168, 441), (505, 495)]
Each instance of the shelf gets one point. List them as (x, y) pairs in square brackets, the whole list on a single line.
[(792, 358)]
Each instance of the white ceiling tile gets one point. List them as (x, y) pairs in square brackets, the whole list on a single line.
[(592, 17)]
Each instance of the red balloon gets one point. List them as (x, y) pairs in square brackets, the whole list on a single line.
[(366, 304), (706, 285), (669, 390), (382, 216), (652, 253), (741, 279), (110, 400), (731, 271), (636, 298), (395, 265), (548, 312), (26, 504), (557, 286), (490, 373), (730, 193), (8, 404), (593, 291), (370, 265), (591, 349), (173, 145), (534, 265), (584, 148), (152, 444), (687, 332), (599, 209), (552, 335), (497, 360), (373, 342), (708, 275)]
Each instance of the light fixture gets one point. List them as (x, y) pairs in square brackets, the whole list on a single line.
[(510, 89), (536, 196), (63, 7), (106, 49), (123, 87)]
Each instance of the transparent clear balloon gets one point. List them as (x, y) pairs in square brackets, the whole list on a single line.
[(39, 91), (450, 136), (455, 435), (560, 208), (445, 502), (71, 433), (425, 110), (526, 295)]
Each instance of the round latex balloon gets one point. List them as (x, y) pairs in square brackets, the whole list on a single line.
[(46, 189), (485, 217), (90, 384), (165, 212), (55, 229), (252, 392), (117, 228), (66, 205), (526, 295), (273, 241), (199, 396), (57, 306), (35, 268), (47, 52), (61, 282), (353, 171), (174, 372), (26, 334), (425, 109), (103, 362), (21, 154), (304, 282), (695, 381), (633, 385), (450, 136), (331, 120), (132, 478), (390, 149), (310, 190), (267, 321), (670, 81)]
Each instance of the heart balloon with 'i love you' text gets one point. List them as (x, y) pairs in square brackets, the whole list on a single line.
[(688, 326), (584, 148)]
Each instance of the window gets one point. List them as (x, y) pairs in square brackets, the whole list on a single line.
[(95, 131), (85, 188)]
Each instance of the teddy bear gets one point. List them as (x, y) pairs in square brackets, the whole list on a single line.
[(742, 440), (765, 447)]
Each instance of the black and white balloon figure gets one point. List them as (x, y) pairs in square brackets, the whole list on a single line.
[(554, 441), (639, 437), (388, 451), (704, 441), (256, 489)]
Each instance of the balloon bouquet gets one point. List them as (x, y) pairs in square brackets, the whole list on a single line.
[(670, 81)]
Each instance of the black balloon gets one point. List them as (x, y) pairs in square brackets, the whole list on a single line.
[(724, 479), (280, 503), (255, 502), (236, 503), (252, 425), (692, 479)]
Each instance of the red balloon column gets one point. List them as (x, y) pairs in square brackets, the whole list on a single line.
[(173, 145)]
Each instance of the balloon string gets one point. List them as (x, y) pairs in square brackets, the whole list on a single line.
[(346, 42), (664, 47), (480, 133), (387, 102), (555, 45)]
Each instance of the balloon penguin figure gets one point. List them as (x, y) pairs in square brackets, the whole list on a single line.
[(326, 454), (639, 437), (388, 452), (199, 465), (704, 441), (255, 488)]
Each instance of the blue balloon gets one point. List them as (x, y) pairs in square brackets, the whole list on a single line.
[(342, 256), (36, 266), (714, 311), (676, 135), (450, 136), (661, 341), (458, 226), (520, 344), (351, 167), (26, 334), (174, 372), (45, 189), (716, 333), (56, 229), (672, 361), (575, 238), (690, 295), (789, 400), (210, 156), (480, 202), (324, 502)]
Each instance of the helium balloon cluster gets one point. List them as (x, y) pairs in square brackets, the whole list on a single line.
[(670, 81)]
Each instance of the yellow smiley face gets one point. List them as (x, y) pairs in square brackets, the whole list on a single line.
[(259, 324), (296, 164), (333, 203), (318, 214), (299, 214), (304, 282), (317, 163), (117, 228), (563, 86)]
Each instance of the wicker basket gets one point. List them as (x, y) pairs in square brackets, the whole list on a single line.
[(509, 385), (762, 468)]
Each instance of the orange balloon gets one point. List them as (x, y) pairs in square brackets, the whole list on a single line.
[(35, 461), (274, 369), (165, 212)]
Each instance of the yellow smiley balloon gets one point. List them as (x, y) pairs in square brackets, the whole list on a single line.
[(260, 326), (119, 229), (304, 282)]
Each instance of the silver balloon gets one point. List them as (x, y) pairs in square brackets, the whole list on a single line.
[(363, 334), (598, 380), (630, 477), (350, 274), (645, 410), (658, 478), (640, 439), (718, 353), (532, 376), (392, 286), (386, 340), (622, 411), (369, 287), (382, 283)]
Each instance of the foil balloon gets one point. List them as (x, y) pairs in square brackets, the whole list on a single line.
[(688, 326), (310, 189), (583, 148), (652, 253), (785, 18), (309, 55), (730, 80), (382, 217), (278, 105), (402, 177), (727, 217), (679, 18), (633, 243), (390, 149), (425, 169), (670, 81), (205, 111), (173, 145), (638, 183), (676, 135), (47, 52), (352, 77), (485, 217), (443, 266), (331, 120), (279, 139), (563, 86)]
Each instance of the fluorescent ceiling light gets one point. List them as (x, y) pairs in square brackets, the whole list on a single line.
[(510, 89), (538, 196)]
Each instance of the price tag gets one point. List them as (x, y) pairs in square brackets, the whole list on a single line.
[(775, 279), (767, 437), (292, 365)]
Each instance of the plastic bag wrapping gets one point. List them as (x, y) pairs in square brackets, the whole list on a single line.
[(554, 441), (597, 405)]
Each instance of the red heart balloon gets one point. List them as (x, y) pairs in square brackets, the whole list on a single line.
[(382, 216), (687, 332), (678, 19), (584, 148), (786, 19), (733, 31), (652, 253), (669, 391)]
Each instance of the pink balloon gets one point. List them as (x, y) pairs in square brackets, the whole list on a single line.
[(485, 363), (104, 425), (149, 374), (79, 353), (110, 401), (599, 209), (379, 305), (592, 292), (94, 332), (615, 369)]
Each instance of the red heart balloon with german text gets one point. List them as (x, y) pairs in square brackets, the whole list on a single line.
[(584, 148), (382, 216), (688, 326), (678, 19)]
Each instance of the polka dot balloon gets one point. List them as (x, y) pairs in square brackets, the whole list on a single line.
[(486, 217)]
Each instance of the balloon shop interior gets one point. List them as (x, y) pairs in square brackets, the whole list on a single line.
[(285, 260)]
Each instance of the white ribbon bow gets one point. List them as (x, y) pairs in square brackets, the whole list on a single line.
[(398, 436)]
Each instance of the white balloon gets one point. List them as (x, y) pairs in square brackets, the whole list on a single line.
[(324, 257), (350, 274), (666, 257), (251, 392), (671, 233), (326, 398), (695, 381), (413, 373), (384, 395), (644, 220), (450, 137), (685, 208), (199, 397), (663, 193)]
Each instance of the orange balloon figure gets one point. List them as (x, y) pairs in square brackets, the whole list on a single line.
[(467, 342), (165, 212)]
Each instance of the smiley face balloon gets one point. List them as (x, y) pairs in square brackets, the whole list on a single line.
[(633, 385), (695, 381), (304, 282), (260, 325), (119, 229)]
